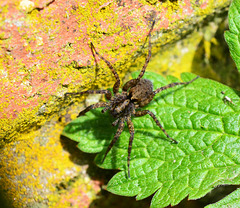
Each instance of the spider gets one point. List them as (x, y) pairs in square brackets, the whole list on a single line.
[(135, 94)]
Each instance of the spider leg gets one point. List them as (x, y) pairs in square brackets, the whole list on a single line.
[(133, 82), (144, 112), (131, 130), (117, 83), (149, 53), (172, 85), (122, 106), (107, 92), (117, 135), (105, 109), (95, 59), (90, 107), (129, 84), (114, 123)]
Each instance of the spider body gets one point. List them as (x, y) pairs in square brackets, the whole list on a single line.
[(126, 102), (142, 93), (136, 93)]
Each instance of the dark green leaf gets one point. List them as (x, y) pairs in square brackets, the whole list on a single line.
[(204, 123)]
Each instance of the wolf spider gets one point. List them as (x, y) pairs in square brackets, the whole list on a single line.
[(135, 93)]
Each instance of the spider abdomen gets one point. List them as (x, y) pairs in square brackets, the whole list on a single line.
[(142, 93)]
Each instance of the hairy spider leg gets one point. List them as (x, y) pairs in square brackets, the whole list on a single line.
[(93, 106), (145, 112), (118, 101), (122, 106), (133, 82), (117, 83), (114, 123), (106, 92), (95, 59), (117, 135), (131, 130), (172, 85), (149, 53)]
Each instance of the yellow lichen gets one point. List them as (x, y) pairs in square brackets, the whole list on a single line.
[(27, 165)]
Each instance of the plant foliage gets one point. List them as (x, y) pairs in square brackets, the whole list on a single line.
[(232, 200), (197, 115), (232, 36)]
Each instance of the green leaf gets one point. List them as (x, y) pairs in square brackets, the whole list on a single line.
[(197, 115), (232, 36), (232, 200)]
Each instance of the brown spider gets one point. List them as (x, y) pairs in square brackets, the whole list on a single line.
[(135, 93)]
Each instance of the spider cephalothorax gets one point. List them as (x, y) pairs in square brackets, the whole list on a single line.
[(135, 93)]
